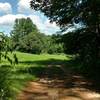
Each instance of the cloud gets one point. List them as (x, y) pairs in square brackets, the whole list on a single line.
[(23, 9), (43, 25), (38, 19), (7, 22), (9, 19), (24, 6), (5, 8), (50, 25)]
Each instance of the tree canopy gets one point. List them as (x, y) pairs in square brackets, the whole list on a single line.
[(68, 13), (22, 27)]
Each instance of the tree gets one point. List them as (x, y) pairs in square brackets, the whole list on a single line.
[(68, 13), (22, 27), (32, 43), (26, 37), (57, 44)]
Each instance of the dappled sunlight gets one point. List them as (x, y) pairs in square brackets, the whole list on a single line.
[(41, 91), (51, 79), (57, 81)]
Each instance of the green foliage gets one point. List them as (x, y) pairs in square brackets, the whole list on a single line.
[(22, 27), (32, 43), (2, 41), (29, 66), (79, 43), (4, 48), (25, 37), (5, 82), (5, 71), (67, 13), (55, 44)]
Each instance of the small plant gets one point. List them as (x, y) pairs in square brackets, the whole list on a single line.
[(5, 70), (4, 48)]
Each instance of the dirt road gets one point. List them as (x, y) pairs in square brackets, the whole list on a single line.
[(72, 87)]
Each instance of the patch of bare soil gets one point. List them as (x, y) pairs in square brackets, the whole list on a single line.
[(72, 87)]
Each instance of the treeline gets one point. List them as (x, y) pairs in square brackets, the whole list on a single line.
[(25, 37)]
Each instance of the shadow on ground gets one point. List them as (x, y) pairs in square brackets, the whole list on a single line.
[(44, 62), (58, 80), (60, 73)]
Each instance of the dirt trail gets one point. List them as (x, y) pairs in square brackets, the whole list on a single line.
[(72, 87)]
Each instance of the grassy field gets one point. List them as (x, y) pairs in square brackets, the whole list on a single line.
[(31, 67)]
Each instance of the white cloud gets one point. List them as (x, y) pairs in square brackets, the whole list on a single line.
[(24, 6), (5, 8), (50, 25), (7, 22), (9, 19), (39, 19), (43, 26)]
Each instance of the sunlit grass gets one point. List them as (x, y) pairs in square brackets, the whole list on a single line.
[(20, 73)]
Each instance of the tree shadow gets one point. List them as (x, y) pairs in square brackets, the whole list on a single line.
[(60, 73), (44, 62), (57, 73)]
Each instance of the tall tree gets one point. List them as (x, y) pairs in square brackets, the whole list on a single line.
[(22, 27)]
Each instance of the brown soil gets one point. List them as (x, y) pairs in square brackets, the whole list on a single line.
[(72, 87)]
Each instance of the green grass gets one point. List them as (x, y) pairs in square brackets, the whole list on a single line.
[(31, 67), (25, 57)]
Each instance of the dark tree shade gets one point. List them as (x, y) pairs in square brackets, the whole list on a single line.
[(66, 13)]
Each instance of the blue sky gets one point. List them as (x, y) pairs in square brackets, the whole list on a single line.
[(12, 9)]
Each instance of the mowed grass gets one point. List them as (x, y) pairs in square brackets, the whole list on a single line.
[(30, 66), (27, 60)]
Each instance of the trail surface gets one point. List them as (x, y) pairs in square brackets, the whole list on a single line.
[(72, 86)]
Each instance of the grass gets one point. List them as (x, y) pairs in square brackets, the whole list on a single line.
[(31, 66)]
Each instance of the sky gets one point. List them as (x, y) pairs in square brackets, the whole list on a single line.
[(12, 9)]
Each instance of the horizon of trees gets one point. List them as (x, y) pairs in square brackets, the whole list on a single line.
[(26, 37)]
